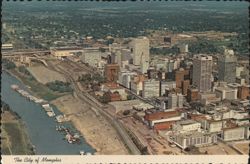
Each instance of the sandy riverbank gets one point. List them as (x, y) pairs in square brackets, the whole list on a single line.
[(95, 129)]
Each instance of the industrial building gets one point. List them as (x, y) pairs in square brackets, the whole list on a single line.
[(61, 52), (159, 117)]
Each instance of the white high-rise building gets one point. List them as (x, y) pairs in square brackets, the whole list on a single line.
[(202, 72), (172, 101), (151, 88), (125, 78), (140, 50), (180, 100), (144, 67), (227, 66)]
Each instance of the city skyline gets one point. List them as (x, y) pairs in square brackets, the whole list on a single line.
[(142, 79)]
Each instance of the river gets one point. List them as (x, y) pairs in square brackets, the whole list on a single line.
[(41, 128)]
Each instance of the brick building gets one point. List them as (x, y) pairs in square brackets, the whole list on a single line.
[(243, 92), (111, 72), (192, 94)]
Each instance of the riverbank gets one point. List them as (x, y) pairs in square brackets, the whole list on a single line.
[(41, 128), (14, 138), (35, 87), (95, 129), (97, 132)]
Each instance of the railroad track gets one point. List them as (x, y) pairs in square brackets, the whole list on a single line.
[(92, 102)]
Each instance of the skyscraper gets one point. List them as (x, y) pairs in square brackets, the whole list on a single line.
[(227, 66), (140, 50), (202, 72), (172, 101)]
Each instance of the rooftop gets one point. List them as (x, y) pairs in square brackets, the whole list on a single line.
[(161, 115)]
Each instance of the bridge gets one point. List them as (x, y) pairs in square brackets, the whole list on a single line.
[(7, 53), (34, 57)]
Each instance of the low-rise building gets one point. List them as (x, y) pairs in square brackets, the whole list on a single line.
[(187, 126), (184, 140), (160, 117), (234, 133), (61, 52), (114, 88), (142, 107), (214, 126), (226, 93)]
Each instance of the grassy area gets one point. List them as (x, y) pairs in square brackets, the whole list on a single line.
[(15, 139), (5, 146), (39, 89)]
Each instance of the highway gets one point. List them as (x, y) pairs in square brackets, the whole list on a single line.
[(91, 101)]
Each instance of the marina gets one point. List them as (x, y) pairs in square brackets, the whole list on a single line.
[(49, 110), (62, 118), (26, 94)]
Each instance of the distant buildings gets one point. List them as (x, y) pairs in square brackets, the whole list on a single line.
[(92, 57), (140, 50), (7, 47), (183, 48), (227, 67), (202, 72), (61, 52)]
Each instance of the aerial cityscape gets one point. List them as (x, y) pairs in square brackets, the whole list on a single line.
[(125, 78)]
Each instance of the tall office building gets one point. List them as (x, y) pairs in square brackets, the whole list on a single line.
[(180, 98), (151, 88), (227, 67), (202, 72), (172, 101), (144, 67), (140, 50)]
